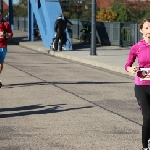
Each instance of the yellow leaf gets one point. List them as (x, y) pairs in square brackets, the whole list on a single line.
[(106, 15)]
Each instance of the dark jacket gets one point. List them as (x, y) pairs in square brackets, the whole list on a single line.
[(67, 21), (60, 26)]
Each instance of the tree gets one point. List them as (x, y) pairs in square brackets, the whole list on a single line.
[(20, 9), (130, 11), (73, 7), (146, 15), (77, 9), (137, 10), (120, 10), (23, 2), (106, 15), (86, 11), (86, 15)]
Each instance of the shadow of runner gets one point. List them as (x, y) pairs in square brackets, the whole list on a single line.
[(47, 83), (31, 107), (54, 109)]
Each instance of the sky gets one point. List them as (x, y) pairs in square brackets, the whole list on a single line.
[(14, 1)]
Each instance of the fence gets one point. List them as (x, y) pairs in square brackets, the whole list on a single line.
[(109, 33)]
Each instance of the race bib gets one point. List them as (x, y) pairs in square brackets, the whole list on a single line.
[(144, 74)]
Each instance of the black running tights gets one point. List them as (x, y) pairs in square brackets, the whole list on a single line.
[(142, 93)]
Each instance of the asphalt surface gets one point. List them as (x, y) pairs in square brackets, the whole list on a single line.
[(107, 57), (50, 103)]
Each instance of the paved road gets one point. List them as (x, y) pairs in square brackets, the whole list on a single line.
[(109, 57), (55, 104)]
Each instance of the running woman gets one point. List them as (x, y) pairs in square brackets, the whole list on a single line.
[(141, 51)]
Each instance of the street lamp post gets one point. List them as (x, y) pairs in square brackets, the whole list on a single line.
[(1, 5), (93, 29)]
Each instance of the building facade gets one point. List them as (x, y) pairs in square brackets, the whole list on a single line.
[(5, 5), (107, 3)]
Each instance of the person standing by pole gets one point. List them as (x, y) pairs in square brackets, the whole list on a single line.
[(59, 27), (5, 32)]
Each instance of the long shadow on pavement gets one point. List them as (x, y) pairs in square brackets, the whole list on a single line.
[(51, 109), (82, 46), (47, 83), (16, 40)]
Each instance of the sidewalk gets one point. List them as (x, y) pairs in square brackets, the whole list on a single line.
[(108, 57)]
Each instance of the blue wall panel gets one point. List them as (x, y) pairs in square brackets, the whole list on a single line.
[(46, 16), (39, 17)]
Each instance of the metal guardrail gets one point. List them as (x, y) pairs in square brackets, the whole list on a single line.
[(108, 33)]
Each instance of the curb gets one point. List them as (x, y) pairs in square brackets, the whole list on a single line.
[(76, 59)]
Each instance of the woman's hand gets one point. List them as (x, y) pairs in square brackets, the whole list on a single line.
[(133, 69), (1, 34), (7, 35)]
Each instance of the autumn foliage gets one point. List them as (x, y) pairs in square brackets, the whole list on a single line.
[(105, 15)]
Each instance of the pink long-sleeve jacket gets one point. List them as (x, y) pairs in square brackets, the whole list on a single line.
[(141, 51)]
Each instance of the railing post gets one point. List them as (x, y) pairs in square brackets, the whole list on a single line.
[(30, 22), (119, 38), (11, 14), (136, 33), (78, 30)]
